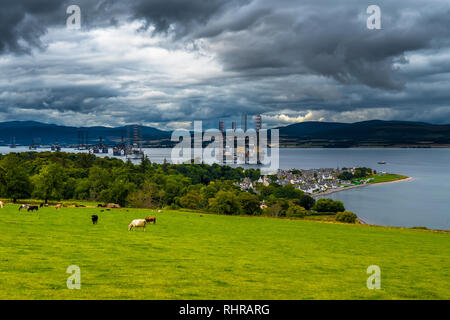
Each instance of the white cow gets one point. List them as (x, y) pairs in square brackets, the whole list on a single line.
[(1, 204), (137, 223)]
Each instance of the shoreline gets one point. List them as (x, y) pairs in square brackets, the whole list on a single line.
[(359, 219), (358, 186)]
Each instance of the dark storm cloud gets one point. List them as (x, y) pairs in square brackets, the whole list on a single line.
[(19, 21), (286, 37), (23, 22), (275, 57), (332, 43), (185, 16)]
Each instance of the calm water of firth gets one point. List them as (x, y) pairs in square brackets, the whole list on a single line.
[(424, 201)]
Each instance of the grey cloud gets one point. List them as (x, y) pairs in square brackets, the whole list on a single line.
[(284, 56), (23, 22)]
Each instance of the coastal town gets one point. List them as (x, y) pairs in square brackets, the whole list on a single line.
[(315, 181)]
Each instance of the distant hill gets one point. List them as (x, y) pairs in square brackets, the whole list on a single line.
[(374, 133), (366, 133), (25, 132)]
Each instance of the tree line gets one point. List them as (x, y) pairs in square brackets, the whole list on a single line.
[(55, 176)]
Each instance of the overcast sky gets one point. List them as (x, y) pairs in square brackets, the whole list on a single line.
[(165, 63)]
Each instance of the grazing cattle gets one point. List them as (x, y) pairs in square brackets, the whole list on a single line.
[(94, 219), (113, 206), (24, 206), (137, 223), (101, 205), (41, 205), (159, 210), (32, 208), (150, 219), (58, 206), (1, 204)]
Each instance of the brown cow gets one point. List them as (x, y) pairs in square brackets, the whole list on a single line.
[(58, 206), (151, 219), (1, 204)]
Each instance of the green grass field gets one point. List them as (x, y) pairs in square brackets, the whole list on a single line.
[(389, 177), (194, 256)]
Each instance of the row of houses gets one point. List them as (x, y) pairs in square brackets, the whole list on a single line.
[(307, 180)]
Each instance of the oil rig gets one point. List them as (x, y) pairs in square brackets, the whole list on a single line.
[(120, 150), (135, 150), (83, 139), (100, 147), (33, 145), (56, 146), (13, 143)]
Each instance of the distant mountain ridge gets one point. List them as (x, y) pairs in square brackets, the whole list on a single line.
[(25, 132), (372, 133), (365, 133)]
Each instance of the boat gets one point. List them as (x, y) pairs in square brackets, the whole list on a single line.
[(381, 162), (136, 154)]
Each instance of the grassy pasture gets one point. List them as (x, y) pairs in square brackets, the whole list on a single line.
[(389, 177), (189, 255)]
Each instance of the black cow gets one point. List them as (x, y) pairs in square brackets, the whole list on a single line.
[(32, 208), (94, 219)]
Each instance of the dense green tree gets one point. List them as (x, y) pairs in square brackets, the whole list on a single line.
[(145, 164), (305, 201), (288, 192), (250, 203), (225, 202), (149, 196), (99, 180), (192, 200), (117, 192), (346, 216), (346, 175), (15, 183), (253, 174), (296, 211), (50, 182), (362, 172), (328, 205), (82, 188)]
